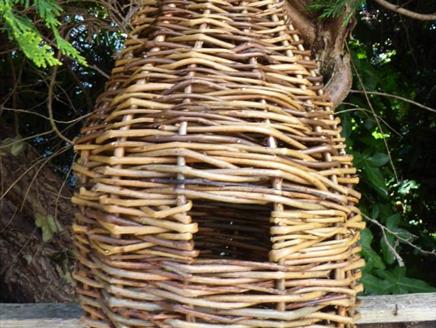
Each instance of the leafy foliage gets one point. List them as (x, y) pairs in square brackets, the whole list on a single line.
[(16, 15), (383, 135), (335, 8), (394, 281)]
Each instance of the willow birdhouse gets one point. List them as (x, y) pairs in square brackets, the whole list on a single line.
[(214, 186)]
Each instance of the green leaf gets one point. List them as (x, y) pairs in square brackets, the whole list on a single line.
[(49, 10), (12, 145), (370, 77), (67, 49), (393, 224), (335, 8), (388, 255), (375, 211), (374, 285), (393, 221), (369, 124), (379, 159), (375, 178), (373, 260), (48, 226), (17, 148), (400, 284), (23, 30), (406, 186), (346, 125)]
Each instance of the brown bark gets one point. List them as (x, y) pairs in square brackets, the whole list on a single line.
[(326, 38), (32, 270), (408, 13)]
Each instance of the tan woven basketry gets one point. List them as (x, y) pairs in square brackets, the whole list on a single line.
[(215, 190)]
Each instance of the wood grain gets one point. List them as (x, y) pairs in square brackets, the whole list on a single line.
[(390, 311), (398, 308)]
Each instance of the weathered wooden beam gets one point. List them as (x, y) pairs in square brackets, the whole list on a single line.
[(398, 308), (392, 311), (40, 315)]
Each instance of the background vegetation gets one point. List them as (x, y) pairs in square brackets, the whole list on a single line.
[(55, 57)]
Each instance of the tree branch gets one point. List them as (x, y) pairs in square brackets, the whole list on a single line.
[(302, 20), (405, 12), (50, 107), (326, 39), (396, 235), (389, 95), (341, 81)]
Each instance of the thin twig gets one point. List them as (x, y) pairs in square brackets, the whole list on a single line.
[(406, 12), (58, 196), (50, 107), (396, 235), (48, 159), (393, 250), (12, 185), (10, 266), (9, 144), (394, 170), (28, 111), (357, 108), (396, 97), (98, 70)]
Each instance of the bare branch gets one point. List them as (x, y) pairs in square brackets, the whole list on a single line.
[(393, 250), (396, 235), (50, 107), (98, 70), (406, 12), (357, 108), (29, 112), (301, 19), (389, 95)]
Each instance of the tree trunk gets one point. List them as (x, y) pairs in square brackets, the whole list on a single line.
[(326, 39), (31, 269)]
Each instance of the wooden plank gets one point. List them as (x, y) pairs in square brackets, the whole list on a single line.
[(398, 308), (40, 315), (376, 311), (422, 324)]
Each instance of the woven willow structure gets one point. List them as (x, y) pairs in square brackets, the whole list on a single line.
[(215, 190)]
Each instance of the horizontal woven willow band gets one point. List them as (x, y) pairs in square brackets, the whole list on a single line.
[(214, 186)]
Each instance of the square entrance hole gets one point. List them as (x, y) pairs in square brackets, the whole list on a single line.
[(232, 231)]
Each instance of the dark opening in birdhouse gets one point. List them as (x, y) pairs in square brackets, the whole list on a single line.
[(232, 231)]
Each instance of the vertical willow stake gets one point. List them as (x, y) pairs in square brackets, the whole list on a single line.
[(215, 189)]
